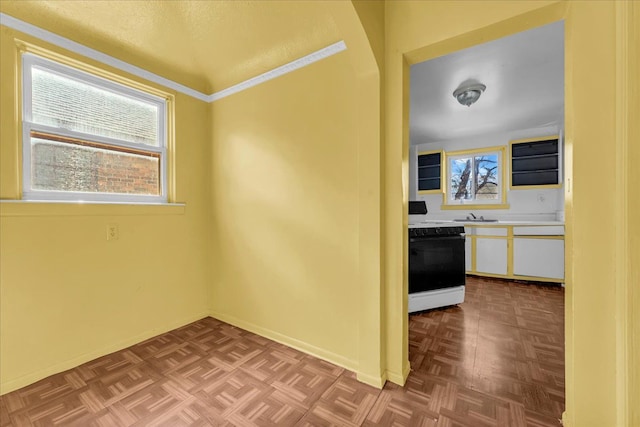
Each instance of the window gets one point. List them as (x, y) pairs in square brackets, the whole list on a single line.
[(89, 138), (475, 177)]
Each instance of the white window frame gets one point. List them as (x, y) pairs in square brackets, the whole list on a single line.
[(472, 154), (30, 60)]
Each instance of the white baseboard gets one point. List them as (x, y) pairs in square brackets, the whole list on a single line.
[(397, 377), (376, 381), (303, 346)]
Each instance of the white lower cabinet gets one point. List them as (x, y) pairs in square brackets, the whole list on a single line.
[(538, 257), (536, 252), (491, 255)]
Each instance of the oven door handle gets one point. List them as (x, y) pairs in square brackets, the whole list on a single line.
[(429, 239)]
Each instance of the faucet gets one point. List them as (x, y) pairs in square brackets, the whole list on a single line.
[(474, 218)]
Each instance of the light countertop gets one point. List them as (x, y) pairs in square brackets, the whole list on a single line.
[(450, 223)]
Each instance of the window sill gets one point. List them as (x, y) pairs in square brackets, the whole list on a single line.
[(473, 206), (11, 208)]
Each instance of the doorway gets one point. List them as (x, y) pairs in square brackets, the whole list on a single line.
[(505, 343), (600, 58)]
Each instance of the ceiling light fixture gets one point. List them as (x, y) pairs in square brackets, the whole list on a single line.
[(468, 94)]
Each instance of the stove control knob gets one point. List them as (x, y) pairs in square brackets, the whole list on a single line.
[(438, 230)]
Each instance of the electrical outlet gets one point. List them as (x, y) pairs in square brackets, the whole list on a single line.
[(112, 232)]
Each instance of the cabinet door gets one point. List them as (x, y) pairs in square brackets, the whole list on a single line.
[(429, 172), (536, 162), (491, 255), (467, 253), (538, 257)]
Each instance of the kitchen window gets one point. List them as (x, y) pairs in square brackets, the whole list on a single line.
[(475, 177), (90, 138)]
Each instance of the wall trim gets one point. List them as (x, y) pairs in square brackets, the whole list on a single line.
[(376, 381), (65, 43), (281, 70), (28, 379), (622, 278), (19, 207), (399, 378), (295, 343)]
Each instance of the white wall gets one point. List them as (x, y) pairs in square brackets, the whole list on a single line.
[(524, 204)]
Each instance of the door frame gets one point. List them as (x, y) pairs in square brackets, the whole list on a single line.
[(580, 403)]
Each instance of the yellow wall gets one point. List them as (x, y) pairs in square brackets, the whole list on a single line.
[(362, 28), (371, 16), (66, 294), (288, 221), (295, 218), (285, 210), (591, 132), (296, 190)]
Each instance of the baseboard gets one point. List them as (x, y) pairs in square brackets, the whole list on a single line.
[(516, 277), (376, 381), (303, 346), (25, 380), (397, 377)]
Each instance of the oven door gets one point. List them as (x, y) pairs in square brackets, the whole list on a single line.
[(436, 262)]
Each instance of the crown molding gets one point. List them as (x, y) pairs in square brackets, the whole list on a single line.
[(283, 69), (49, 37), (65, 43)]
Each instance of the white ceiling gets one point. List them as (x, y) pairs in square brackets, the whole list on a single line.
[(524, 75)]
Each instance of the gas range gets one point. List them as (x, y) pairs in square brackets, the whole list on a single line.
[(434, 223), (436, 264)]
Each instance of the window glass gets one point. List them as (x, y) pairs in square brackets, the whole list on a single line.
[(59, 164), (486, 177), (475, 178), (89, 138), (67, 103), (461, 178)]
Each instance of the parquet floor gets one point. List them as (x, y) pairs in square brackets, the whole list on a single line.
[(496, 360)]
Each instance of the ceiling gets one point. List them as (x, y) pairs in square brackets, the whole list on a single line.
[(524, 75), (205, 45)]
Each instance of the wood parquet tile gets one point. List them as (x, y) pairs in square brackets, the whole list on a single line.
[(495, 360)]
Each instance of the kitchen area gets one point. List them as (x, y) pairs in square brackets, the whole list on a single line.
[(486, 181), (486, 229), (507, 249)]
